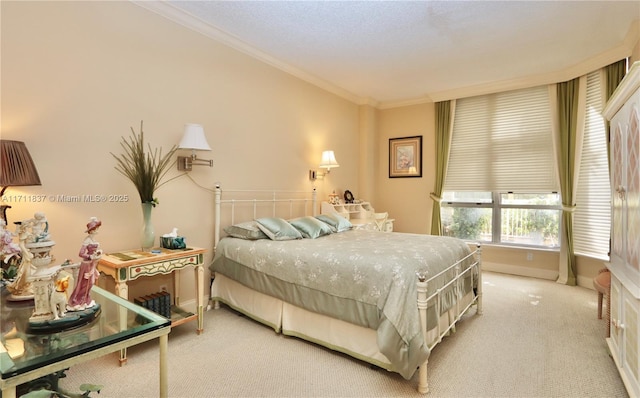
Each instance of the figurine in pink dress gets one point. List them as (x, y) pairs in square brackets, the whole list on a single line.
[(90, 253)]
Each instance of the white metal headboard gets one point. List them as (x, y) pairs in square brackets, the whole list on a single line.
[(276, 199)]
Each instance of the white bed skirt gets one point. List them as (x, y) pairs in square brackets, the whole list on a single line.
[(354, 340)]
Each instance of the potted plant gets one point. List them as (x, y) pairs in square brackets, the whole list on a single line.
[(145, 168)]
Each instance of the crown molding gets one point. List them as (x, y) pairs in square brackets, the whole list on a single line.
[(610, 56), (615, 54), (400, 104), (192, 22)]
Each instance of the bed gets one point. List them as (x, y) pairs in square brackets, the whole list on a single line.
[(386, 298)]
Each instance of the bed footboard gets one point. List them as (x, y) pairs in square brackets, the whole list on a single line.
[(475, 270)]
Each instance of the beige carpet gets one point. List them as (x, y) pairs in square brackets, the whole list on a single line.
[(536, 339)]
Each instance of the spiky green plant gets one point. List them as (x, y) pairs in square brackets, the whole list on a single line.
[(146, 170)]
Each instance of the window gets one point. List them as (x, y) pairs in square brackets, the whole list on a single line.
[(592, 217), (502, 143), (504, 218), (501, 172)]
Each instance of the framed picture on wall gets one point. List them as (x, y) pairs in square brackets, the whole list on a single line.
[(405, 157)]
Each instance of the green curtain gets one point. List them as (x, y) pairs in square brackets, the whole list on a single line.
[(613, 75), (444, 123), (570, 127)]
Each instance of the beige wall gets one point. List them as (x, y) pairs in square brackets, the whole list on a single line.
[(77, 75), (406, 199)]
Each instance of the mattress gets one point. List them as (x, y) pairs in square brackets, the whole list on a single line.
[(365, 278)]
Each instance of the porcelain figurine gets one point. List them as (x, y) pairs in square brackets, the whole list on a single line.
[(58, 300), (40, 227), (90, 253), (21, 286), (8, 249)]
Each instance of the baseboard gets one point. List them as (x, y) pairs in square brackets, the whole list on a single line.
[(585, 281), (190, 305), (520, 270), (582, 281)]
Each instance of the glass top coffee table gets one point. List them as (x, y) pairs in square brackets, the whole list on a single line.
[(119, 325)]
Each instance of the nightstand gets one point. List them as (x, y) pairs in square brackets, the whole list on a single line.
[(128, 265)]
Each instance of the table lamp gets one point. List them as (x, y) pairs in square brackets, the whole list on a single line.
[(16, 169)]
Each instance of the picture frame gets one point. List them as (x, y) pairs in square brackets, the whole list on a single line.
[(405, 157)]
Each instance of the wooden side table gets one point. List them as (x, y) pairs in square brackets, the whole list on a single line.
[(128, 265)]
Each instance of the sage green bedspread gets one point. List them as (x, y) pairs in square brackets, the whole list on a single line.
[(364, 277)]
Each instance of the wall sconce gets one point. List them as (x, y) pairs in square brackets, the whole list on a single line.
[(328, 161), (195, 140), (16, 169)]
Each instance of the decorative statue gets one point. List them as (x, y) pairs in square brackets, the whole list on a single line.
[(58, 300), (39, 227), (21, 286), (8, 249), (90, 253)]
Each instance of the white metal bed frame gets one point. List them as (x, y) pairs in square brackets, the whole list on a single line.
[(423, 299)]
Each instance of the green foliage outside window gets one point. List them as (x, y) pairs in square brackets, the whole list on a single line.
[(468, 223)]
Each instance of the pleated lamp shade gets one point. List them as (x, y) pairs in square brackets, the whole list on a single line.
[(17, 167)]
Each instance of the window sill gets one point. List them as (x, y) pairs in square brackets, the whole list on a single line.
[(516, 247)]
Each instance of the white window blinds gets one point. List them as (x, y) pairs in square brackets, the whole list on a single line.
[(502, 142), (592, 216)]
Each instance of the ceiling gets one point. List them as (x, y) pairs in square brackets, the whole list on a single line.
[(391, 53)]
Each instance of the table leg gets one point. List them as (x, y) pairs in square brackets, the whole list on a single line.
[(176, 286), (9, 392), (200, 297), (164, 382), (122, 290)]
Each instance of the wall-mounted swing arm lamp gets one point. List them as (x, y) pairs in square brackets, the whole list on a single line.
[(195, 140), (16, 169), (328, 161)]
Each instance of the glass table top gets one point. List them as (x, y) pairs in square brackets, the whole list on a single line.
[(117, 321)]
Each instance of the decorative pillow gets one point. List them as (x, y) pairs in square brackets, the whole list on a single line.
[(335, 221), (310, 227), (247, 230), (278, 229)]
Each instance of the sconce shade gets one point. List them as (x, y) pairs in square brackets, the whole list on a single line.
[(17, 167), (328, 160), (194, 138)]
